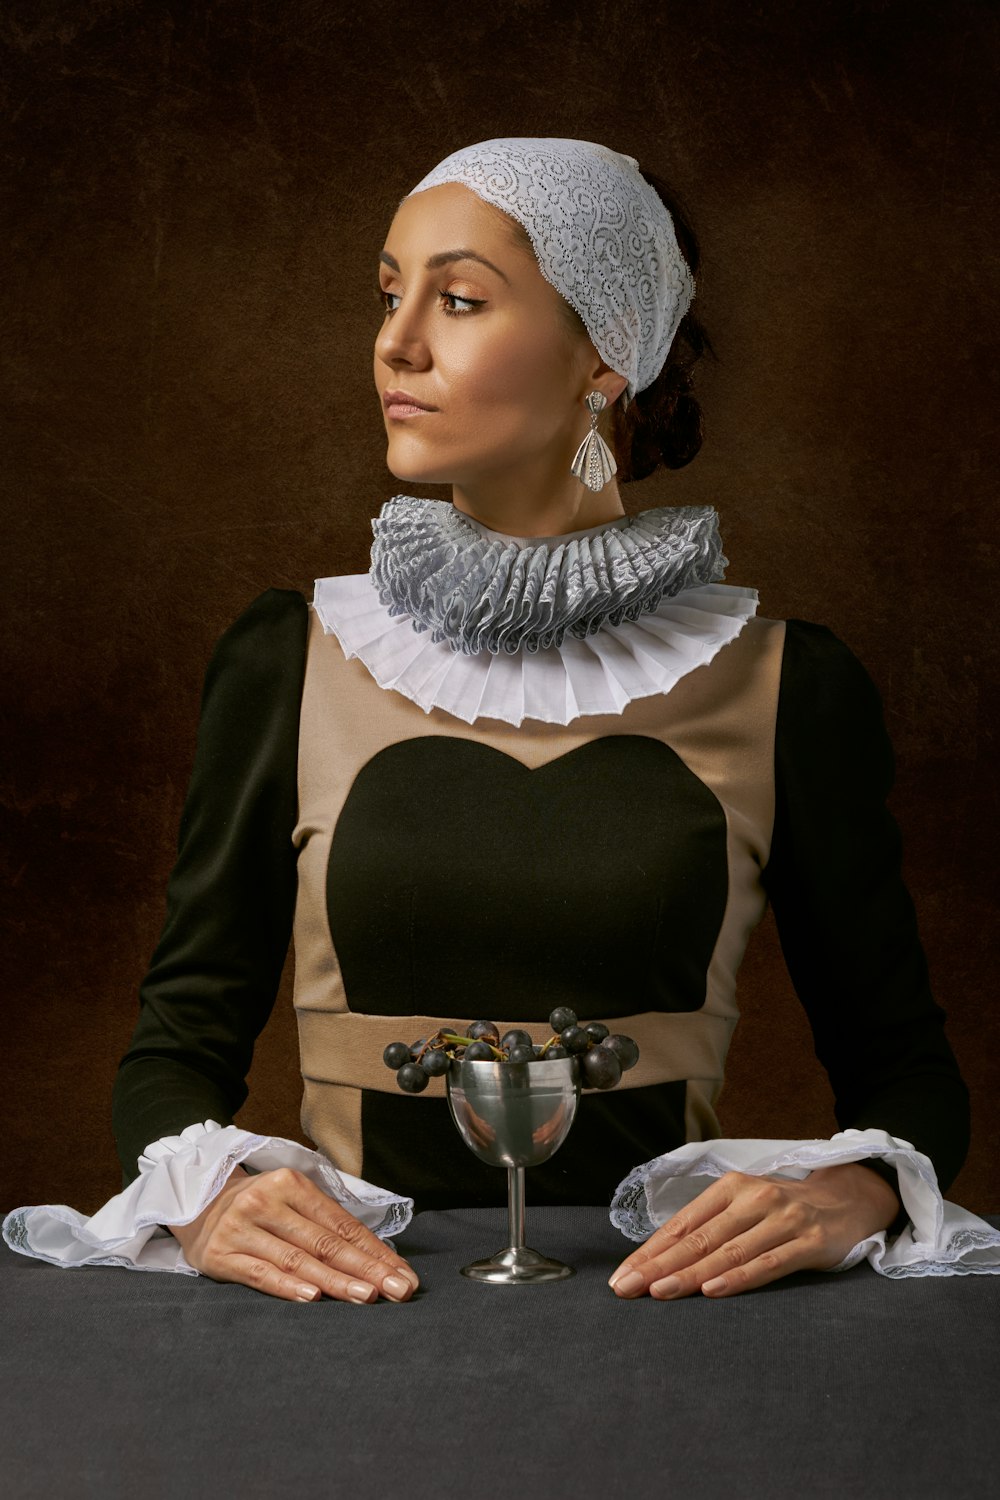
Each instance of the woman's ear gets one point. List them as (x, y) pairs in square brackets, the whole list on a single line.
[(603, 378)]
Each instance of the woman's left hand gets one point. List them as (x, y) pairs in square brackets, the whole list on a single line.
[(744, 1231)]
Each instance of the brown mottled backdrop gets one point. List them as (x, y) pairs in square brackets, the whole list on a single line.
[(197, 195)]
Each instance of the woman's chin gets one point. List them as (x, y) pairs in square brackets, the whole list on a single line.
[(416, 473)]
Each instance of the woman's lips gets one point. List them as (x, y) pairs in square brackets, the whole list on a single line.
[(400, 410)]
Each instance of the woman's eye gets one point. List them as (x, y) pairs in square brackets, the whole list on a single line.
[(468, 301), (451, 312)]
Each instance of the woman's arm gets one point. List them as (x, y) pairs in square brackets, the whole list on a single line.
[(231, 896), (849, 934), (846, 922)]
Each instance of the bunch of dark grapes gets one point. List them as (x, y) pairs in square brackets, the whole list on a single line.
[(603, 1057)]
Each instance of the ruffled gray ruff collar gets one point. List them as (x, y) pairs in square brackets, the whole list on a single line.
[(481, 591)]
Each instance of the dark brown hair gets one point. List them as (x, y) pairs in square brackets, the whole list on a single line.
[(663, 423)]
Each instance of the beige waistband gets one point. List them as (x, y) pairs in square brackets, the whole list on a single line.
[(344, 1047)]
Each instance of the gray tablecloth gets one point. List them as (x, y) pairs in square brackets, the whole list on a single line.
[(121, 1383)]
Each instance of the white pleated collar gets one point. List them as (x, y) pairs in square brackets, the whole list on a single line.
[(587, 578)]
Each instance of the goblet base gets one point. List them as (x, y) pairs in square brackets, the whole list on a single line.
[(517, 1265)]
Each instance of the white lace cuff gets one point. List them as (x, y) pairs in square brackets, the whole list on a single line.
[(941, 1239), (178, 1176)]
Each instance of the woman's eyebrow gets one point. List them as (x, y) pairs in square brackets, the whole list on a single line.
[(443, 258)]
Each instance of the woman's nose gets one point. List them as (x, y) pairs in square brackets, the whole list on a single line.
[(402, 338)]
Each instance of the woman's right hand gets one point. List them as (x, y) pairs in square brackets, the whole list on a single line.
[(279, 1233)]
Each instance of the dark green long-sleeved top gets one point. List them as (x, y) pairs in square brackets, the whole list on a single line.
[(832, 875)]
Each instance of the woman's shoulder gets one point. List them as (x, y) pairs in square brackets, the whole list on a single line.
[(824, 683), (273, 610), (273, 607), (816, 651), (265, 637)]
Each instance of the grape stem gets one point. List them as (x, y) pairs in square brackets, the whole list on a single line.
[(452, 1039)]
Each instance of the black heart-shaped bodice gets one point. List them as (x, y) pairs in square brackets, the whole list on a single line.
[(463, 883)]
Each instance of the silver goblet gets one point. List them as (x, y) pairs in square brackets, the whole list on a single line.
[(514, 1115)]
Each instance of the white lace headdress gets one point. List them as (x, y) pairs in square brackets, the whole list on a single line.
[(600, 232)]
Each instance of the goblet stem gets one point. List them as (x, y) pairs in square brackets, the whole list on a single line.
[(515, 1206)]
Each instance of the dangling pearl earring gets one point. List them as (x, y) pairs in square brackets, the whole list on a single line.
[(594, 463)]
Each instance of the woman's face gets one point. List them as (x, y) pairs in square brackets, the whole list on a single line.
[(486, 346)]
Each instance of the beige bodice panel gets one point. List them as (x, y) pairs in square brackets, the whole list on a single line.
[(720, 720)]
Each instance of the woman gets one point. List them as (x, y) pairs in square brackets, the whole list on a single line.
[(540, 754)]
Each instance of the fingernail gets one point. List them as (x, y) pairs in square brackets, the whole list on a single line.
[(358, 1292), (410, 1275), (630, 1282), (397, 1285), (668, 1287), (309, 1294), (717, 1284)]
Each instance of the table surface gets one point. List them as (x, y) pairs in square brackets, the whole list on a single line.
[(121, 1383)]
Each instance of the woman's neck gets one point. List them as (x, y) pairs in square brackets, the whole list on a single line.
[(574, 508)]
